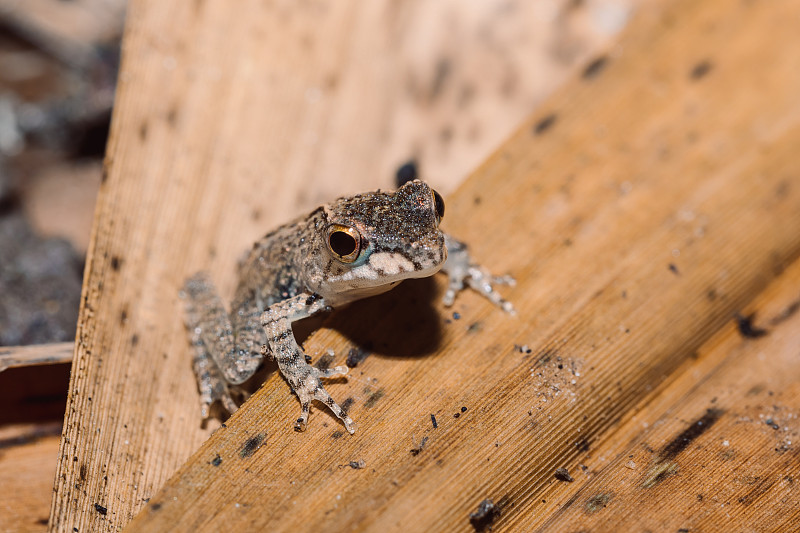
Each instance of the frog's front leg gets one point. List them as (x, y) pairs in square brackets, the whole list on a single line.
[(282, 346), (462, 272)]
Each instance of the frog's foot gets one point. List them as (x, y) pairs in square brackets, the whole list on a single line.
[(211, 384), (308, 388), (302, 377), (462, 273)]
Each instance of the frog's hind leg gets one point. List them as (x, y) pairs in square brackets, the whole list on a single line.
[(302, 377), (211, 384), (212, 339)]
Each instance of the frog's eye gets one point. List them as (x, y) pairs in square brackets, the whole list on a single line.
[(438, 203), (344, 242)]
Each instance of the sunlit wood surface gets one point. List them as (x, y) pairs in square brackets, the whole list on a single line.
[(640, 208)]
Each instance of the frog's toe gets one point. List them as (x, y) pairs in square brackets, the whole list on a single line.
[(322, 395), (504, 280), (228, 403), (481, 281), (454, 288), (208, 400), (333, 372), (302, 422), (211, 385)]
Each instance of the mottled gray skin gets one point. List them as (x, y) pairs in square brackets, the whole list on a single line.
[(295, 272)]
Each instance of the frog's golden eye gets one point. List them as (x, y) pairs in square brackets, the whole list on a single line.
[(344, 242), (438, 203)]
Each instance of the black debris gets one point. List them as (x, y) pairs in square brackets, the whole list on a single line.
[(595, 67), (324, 362), (484, 517), (355, 356), (373, 398), (746, 327), (544, 124), (406, 172), (562, 474), (700, 70), (786, 313), (682, 441), (347, 404), (251, 445), (416, 449)]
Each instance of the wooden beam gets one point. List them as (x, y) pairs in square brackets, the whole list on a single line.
[(640, 209), (230, 121), (27, 465), (719, 450), (36, 354)]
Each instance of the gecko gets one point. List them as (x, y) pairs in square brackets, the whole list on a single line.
[(352, 248)]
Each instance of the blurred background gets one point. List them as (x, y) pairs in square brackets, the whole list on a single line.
[(58, 66)]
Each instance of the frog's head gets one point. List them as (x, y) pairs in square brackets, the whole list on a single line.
[(374, 241)]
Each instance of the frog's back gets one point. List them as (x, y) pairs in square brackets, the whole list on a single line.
[(270, 271)]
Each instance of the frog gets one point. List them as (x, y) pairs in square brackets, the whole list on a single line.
[(352, 248)]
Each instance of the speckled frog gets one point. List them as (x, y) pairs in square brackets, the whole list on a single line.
[(353, 248)]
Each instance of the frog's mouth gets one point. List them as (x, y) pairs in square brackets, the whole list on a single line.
[(384, 268), (381, 272)]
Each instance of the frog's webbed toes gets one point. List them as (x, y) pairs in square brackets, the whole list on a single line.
[(332, 372), (506, 280), (310, 389), (322, 395), (455, 286), (480, 280), (210, 383), (463, 272), (227, 402), (216, 392)]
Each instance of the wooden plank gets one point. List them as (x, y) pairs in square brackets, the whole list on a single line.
[(27, 466), (232, 121), (639, 209), (36, 354), (723, 453)]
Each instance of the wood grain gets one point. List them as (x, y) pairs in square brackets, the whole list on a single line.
[(719, 451), (640, 208), (27, 464), (37, 354), (231, 121)]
